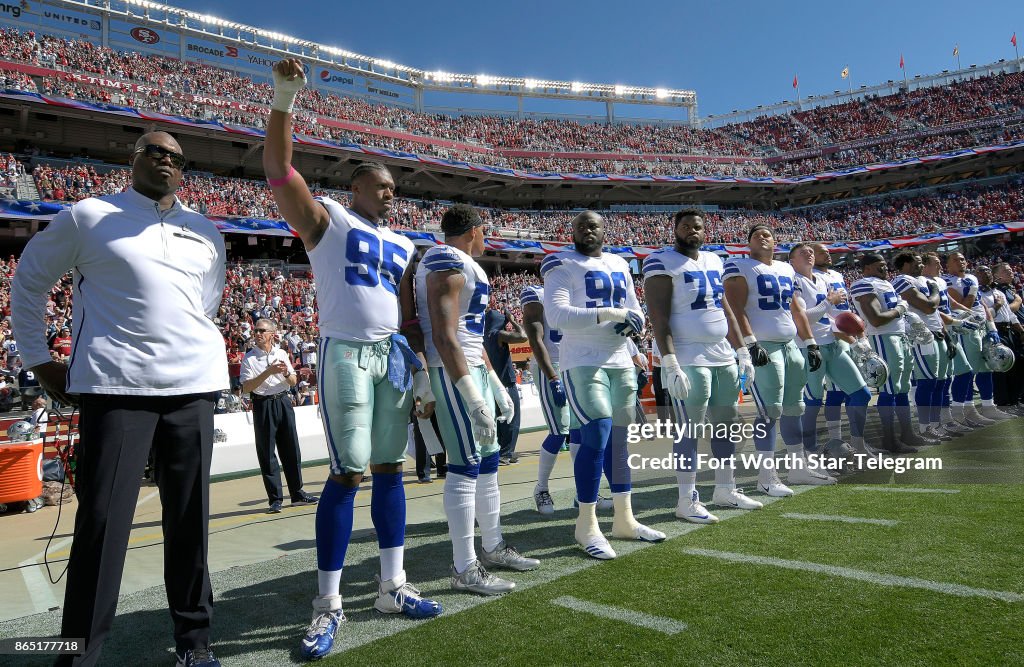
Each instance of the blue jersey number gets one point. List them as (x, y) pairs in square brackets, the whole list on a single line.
[(554, 335), (776, 291), (890, 300), (824, 318), (843, 305), (373, 259), (605, 291), (477, 305), (712, 279)]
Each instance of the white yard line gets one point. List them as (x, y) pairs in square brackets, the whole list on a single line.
[(836, 517), (901, 489), (661, 624)]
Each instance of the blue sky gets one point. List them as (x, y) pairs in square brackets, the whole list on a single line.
[(736, 55)]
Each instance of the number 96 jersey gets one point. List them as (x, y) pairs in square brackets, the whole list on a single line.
[(697, 320), (358, 267), (473, 300), (769, 293)]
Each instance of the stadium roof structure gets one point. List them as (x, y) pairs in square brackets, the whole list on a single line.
[(163, 18)]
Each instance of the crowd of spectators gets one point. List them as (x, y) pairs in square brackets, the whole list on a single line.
[(10, 169), (170, 85)]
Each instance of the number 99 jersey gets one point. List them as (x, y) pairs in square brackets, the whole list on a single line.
[(552, 337), (473, 301), (769, 293), (697, 320), (887, 300), (358, 267)]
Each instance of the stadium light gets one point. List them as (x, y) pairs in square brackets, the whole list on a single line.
[(386, 64), (660, 93), (484, 80), (620, 91), (530, 84), (576, 86)]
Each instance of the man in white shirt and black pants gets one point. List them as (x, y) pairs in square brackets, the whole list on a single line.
[(147, 362), (267, 375)]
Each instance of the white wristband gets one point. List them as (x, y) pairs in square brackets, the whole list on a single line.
[(990, 325), (469, 391), (749, 340), (495, 382)]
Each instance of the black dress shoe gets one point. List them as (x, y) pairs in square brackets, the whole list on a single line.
[(275, 507), (303, 497)]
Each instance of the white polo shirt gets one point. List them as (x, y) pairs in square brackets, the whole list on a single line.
[(256, 361)]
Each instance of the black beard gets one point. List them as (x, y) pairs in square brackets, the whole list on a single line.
[(685, 245), (586, 248)]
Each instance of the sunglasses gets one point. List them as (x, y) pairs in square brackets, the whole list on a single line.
[(264, 331), (158, 153)]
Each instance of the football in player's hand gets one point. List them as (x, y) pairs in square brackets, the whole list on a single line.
[(849, 323)]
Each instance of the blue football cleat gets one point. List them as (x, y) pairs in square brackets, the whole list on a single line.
[(396, 596), (196, 657), (323, 629)]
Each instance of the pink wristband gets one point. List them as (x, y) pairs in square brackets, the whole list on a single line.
[(278, 182)]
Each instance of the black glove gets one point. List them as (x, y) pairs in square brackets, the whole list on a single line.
[(642, 378), (950, 347), (813, 357), (758, 355)]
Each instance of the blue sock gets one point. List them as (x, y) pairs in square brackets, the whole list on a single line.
[(833, 405), (985, 385), (387, 509), (940, 393), (809, 423), (857, 411), (792, 430), (923, 396), (962, 387), (946, 389), (553, 443), (575, 436), (903, 412), (616, 457), (587, 467), (766, 426), (334, 514), (684, 452), (886, 408), (722, 448)]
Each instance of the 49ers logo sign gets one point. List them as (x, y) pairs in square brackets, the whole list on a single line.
[(145, 35)]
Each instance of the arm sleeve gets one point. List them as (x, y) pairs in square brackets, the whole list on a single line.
[(45, 259), (817, 311), (558, 308)]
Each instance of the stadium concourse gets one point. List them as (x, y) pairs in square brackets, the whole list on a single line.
[(900, 563)]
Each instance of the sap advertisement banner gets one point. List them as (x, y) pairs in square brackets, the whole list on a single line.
[(136, 37), (43, 18), (353, 84)]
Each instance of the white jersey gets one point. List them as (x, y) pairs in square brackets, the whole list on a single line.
[(575, 285), (814, 292), (552, 337), (358, 267), (473, 301), (1002, 314), (943, 295), (769, 293), (696, 320), (887, 300), (967, 285), (835, 281), (904, 283)]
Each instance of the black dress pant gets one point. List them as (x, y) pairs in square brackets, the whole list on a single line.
[(116, 435), (1007, 386), (274, 421), (508, 433), (422, 458)]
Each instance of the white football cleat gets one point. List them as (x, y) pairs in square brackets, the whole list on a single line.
[(694, 511), (640, 532), (768, 483), (809, 477), (734, 498), (545, 504), (597, 546), (994, 413)]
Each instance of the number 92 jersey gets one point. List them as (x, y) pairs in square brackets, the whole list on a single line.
[(552, 337), (697, 320), (769, 293), (358, 267), (473, 299)]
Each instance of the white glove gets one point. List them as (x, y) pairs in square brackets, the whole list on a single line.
[(612, 315), (285, 90), (673, 378), (479, 412), (421, 390), (501, 397), (744, 366)]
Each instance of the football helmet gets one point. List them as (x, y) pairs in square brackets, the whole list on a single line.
[(874, 370), (21, 431), (917, 331), (998, 357), (219, 435)]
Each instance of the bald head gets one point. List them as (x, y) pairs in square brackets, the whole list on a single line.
[(159, 138), (157, 164)]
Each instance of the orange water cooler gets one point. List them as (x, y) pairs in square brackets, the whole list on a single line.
[(21, 471)]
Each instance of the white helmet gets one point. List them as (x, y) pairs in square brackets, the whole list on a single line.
[(917, 331), (860, 348), (234, 404), (874, 370), (219, 435), (998, 357), (20, 431)]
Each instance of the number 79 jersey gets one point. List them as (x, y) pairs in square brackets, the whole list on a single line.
[(358, 268), (473, 299), (697, 320), (769, 293)]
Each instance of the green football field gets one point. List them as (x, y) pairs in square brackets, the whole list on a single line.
[(935, 577)]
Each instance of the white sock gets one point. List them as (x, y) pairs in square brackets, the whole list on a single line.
[(573, 448), (391, 561), (923, 426), (988, 402), (488, 510), (586, 522), (687, 484), (725, 477), (857, 442), (624, 524), (459, 508), (794, 454), (544, 468), (835, 430), (328, 582)]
